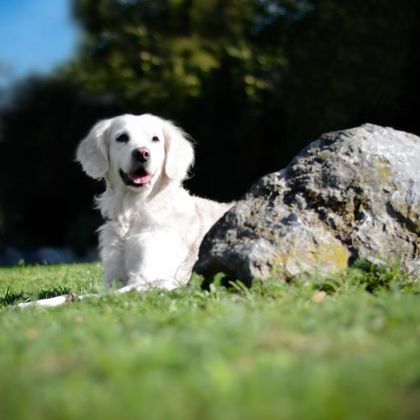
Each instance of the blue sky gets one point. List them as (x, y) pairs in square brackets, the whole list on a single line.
[(35, 37)]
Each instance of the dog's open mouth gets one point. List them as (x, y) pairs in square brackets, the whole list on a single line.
[(138, 178)]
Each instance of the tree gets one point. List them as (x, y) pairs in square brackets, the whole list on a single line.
[(253, 81), (44, 197), (211, 65), (353, 62)]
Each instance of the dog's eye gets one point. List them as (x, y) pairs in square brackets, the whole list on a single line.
[(155, 138), (122, 138)]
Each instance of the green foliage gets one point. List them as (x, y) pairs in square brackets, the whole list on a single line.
[(253, 81), (372, 277), (354, 61), (316, 64), (274, 351), (150, 51)]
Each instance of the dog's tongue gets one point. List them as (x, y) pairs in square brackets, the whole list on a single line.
[(139, 179)]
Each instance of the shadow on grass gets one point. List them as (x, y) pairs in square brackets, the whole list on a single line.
[(12, 298)]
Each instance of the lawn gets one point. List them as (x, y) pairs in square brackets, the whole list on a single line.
[(343, 348)]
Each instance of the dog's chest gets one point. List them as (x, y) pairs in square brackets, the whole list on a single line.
[(155, 253)]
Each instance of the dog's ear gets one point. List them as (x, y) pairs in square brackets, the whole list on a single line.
[(179, 152), (92, 152)]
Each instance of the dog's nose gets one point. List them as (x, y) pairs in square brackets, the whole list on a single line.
[(142, 154)]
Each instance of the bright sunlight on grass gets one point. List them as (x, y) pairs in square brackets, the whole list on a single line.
[(343, 348)]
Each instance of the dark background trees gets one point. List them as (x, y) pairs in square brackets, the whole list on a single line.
[(252, 81)]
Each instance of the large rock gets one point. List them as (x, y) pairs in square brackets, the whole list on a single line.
[(350, 194)]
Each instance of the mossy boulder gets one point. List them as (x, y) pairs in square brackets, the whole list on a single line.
[(350, 194)]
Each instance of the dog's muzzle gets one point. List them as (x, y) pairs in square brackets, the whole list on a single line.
[(137, 178)]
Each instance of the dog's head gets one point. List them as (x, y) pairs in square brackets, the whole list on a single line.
[(135, 151)]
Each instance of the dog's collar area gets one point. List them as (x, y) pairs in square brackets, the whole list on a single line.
[(139, 178)]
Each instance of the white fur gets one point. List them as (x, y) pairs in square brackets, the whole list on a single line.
[(153, 232)]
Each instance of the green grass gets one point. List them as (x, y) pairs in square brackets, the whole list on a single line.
[(277, 351)]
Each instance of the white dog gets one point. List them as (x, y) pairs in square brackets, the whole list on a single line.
[(153, 227)]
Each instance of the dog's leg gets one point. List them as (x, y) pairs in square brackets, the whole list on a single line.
[(56, 301), (164, 285), (71, 297)]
